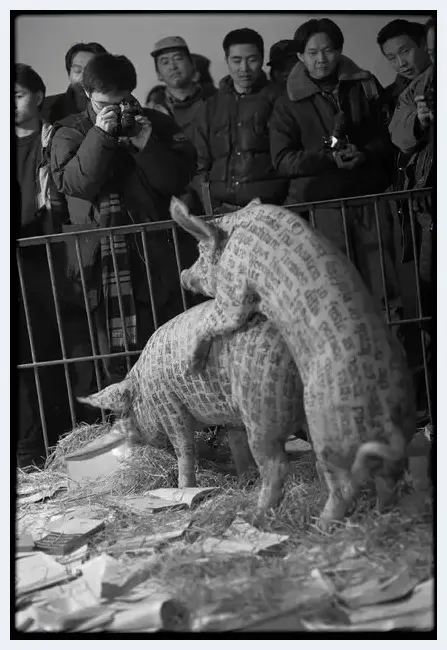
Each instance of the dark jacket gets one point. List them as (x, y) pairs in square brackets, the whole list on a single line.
[(87, 163), (304, 116), (231, 136), (184, 111), (390, 95), (58, 107)]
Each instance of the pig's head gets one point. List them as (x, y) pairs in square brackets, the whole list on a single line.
[(123, 402), (202, 276)]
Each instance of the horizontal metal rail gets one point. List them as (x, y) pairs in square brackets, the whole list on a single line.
[(142, 233)]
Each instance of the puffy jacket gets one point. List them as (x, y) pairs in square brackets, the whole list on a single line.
[(231, 135), (87, 163), (183, 111), (305, 115), (403, 126)]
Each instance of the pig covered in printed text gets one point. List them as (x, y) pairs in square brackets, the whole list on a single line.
[(358, 393), (250, 382)]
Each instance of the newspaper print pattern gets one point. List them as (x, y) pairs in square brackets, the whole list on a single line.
[(357, 387)]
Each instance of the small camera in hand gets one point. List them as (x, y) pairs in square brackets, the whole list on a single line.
[(127, 125)]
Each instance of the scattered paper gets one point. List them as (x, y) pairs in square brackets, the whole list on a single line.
[(73, 561), (241, 537), (108, 578), (161, 612), (145, 504), (378, 590), (24, 543), (144, 543), (416, 612), (31, 495), (73, 525), (188, 496), (36, 571)]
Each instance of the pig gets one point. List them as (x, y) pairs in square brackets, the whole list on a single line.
[(249, 381), (358, 392)]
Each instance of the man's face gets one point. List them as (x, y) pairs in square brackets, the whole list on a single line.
[(431, 44), (78, 63), (319, 56), (406, 57), (101, 100), (27, 104), (175, 68), (245, 65)]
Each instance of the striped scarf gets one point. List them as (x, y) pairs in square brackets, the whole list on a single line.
[(111, 214)]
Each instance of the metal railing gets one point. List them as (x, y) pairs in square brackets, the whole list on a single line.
[(48, 242)]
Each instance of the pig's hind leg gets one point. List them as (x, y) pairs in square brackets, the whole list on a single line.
[(242, 456), (271, 459)]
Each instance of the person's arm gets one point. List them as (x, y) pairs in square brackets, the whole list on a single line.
[(410, 121), (168, 159), (377, 146), (288, 155), (81, 165)]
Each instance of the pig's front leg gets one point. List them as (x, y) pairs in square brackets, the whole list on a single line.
[(233, 306), (181, 434)]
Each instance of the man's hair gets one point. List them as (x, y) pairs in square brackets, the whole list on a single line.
[(244, 36), (319, 26), (430, 24), (401, 27), (29, 79), (94, 48), (107, 73)]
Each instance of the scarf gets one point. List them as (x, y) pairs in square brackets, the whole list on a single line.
[(116, 286)]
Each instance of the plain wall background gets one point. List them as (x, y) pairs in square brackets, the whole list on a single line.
[(43, 40)]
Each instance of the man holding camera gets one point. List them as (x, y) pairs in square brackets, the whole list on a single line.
[(411, 130), (117, 164)]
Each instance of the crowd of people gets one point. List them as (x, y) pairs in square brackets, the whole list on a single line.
[(318, 127)]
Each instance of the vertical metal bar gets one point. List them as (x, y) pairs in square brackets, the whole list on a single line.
[(345, 229), (61, 334), (419, 305), (120, 300), (312, 218), (149, 278), (89, 318), (33, 353), (179, 267), (382, 260)]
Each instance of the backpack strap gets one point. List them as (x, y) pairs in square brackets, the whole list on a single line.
[(48, 197)]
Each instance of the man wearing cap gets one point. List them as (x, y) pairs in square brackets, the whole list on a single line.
[(283, 56), (182, 94), (231, 131)]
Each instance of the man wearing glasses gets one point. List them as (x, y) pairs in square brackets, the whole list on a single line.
[(117, 164)]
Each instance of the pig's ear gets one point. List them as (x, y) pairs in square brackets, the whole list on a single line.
[(116, 397), (197, 227)]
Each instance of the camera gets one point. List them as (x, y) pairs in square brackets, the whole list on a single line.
[(128, 110)]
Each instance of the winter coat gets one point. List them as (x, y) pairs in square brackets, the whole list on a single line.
[(58, 107), (184, 113), (87, 164), (404, 123), (305, 116), (231, 135)]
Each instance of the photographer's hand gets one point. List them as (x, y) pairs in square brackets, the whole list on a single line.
[(140, 140), (424, 114), (107, 119), (349, 157)]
